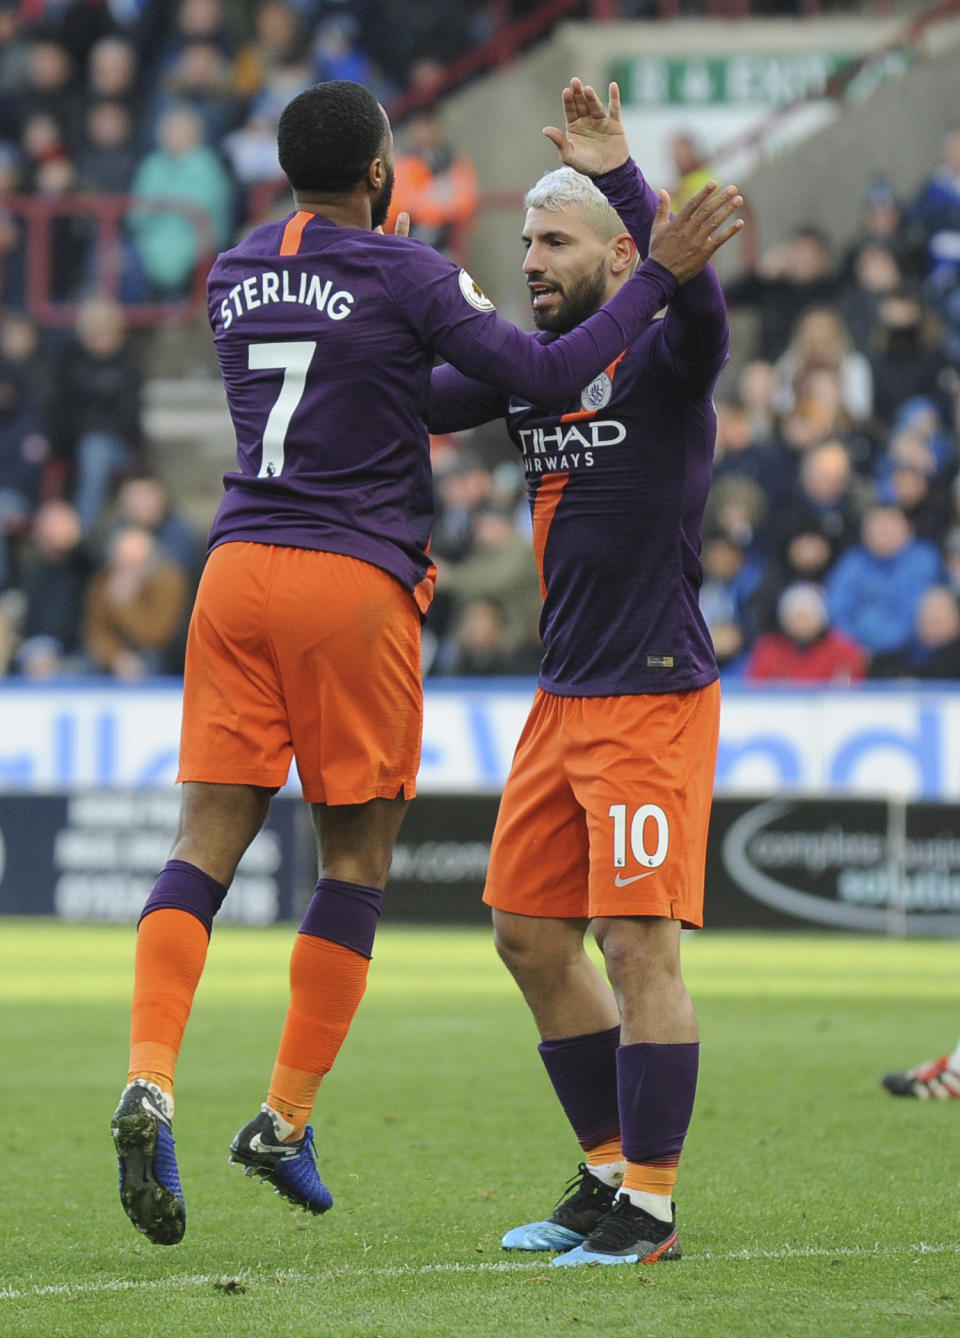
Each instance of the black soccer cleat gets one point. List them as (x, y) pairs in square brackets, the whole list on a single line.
[(627, 1235), (934, 1080), (585, 1200)]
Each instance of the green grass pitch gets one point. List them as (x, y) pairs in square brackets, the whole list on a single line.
[(810, 1203)]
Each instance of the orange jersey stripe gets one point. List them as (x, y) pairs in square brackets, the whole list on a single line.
[(293, 232), (544, 509), (581, 414)]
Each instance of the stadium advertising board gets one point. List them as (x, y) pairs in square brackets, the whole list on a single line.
[(860, 741), (850, 865), (93, 855), (717, 97)]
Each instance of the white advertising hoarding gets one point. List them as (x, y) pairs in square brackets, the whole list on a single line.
[(855, 741)]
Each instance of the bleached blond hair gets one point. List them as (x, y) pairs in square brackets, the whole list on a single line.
[(564, 186)]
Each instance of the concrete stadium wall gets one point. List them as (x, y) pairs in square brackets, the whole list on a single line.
[(898, 130)]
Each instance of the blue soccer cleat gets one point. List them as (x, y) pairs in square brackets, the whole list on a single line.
[(149, 1180), (584, 1202), (290, 1167), (627, 1235)]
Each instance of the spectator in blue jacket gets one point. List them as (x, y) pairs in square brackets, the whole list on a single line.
[(937, 211), (875, 587)]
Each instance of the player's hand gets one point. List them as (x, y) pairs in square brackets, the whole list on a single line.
[(684, 244), (402, 226), (594, 140)]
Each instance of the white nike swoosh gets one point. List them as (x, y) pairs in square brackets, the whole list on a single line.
[(514, 406), (275, 1150), (258, 1145), (147, 1105), (622, 882)]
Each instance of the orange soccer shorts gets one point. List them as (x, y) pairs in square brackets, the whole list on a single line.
[(607, 806), (299, 653)]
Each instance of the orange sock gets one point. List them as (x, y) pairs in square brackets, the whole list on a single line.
[(171, 951), (327, 982), (604, 1153), (652, 1177)]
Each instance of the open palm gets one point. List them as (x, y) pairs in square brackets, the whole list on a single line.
[(594, 140)]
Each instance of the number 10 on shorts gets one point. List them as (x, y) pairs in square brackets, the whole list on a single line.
[(645, 819)]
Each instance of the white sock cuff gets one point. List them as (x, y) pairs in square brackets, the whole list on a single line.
[(610, 1172), (657, 1205)]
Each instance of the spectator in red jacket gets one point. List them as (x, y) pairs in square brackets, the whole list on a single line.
[(806, 649)]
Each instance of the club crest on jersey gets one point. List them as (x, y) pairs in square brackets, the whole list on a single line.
[(597, 394), (474, 293)]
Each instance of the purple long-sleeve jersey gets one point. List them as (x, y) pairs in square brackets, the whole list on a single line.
[(326, 337), (617, 479)]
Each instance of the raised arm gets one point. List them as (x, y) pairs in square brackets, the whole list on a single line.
[(480, 344), (594, 142), (504, 356)]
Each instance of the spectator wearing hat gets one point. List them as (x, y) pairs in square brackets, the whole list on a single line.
[(805, 648), (907, 359), (907, 477), (884, 223), (874, 273), (731, 574)]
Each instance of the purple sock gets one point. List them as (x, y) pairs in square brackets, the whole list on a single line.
[(183, 887), (344, 913), (583, 1070), (656, 1086)]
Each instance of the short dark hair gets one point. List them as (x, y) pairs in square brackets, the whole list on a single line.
[(329, 135)]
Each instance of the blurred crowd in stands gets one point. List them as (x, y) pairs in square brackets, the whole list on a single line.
[(831, 549)]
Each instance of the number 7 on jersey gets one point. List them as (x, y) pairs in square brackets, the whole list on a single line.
[(294, 360)]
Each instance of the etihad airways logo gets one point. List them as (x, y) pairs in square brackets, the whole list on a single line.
[(568, 445), (588, 436)]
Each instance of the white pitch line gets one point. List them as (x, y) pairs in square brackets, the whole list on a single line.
[(425, 1270)]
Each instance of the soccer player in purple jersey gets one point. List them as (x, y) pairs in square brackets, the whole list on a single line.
[(304, 640), (604, 815)]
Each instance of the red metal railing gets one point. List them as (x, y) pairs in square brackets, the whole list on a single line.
[(106, 214)]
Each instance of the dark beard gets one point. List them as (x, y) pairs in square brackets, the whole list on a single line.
[(579, 301), (381, 205)]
